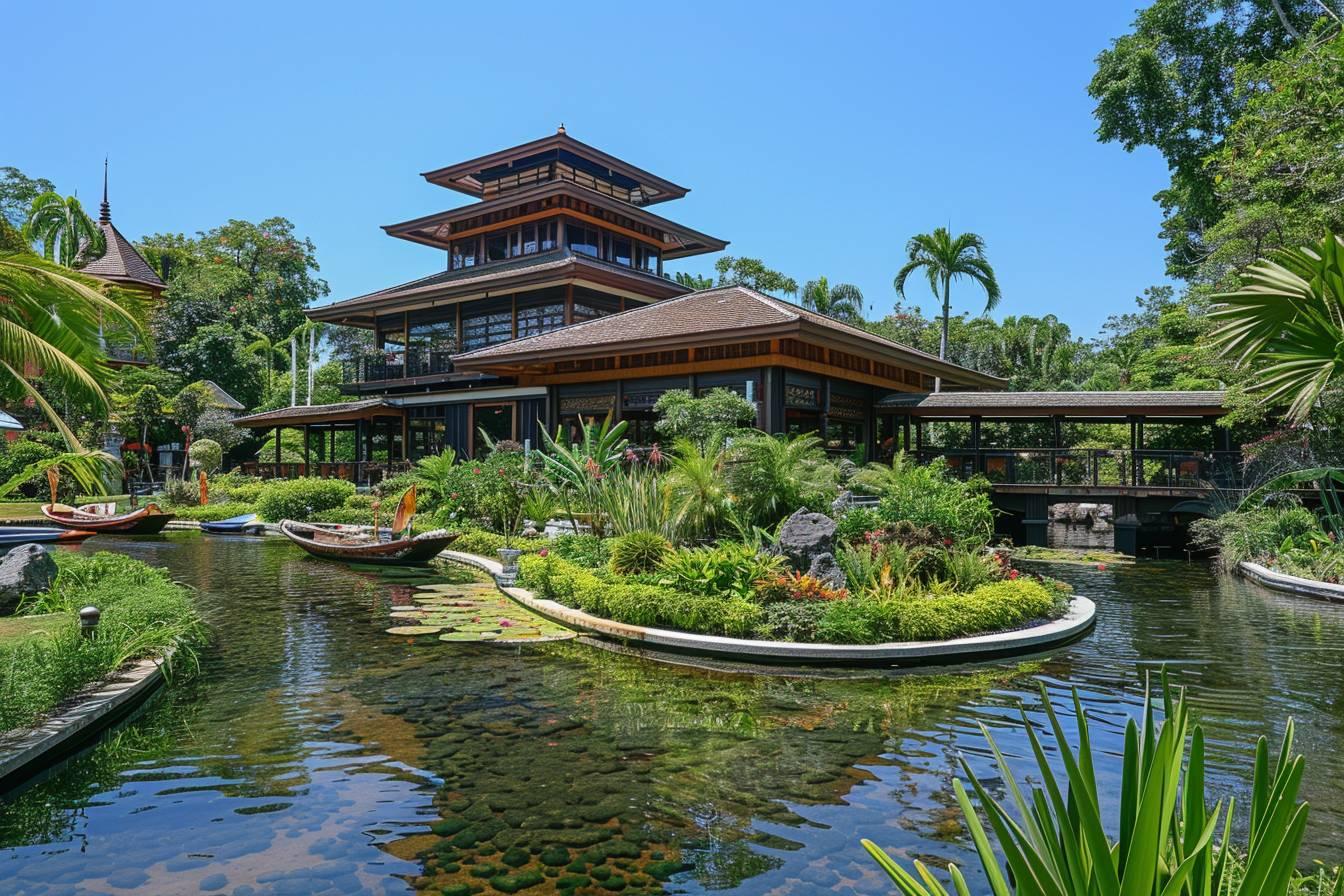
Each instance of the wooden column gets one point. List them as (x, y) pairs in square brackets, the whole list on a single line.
[(307, 452), (569, 303), (277, 451), (975, 444)]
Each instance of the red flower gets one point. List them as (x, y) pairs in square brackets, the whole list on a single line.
[(1101, 566), (655, 455), (1012, 574), (475, 471), (543, 553), (947, 542)]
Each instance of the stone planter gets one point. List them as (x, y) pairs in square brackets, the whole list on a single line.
[(509, 558)]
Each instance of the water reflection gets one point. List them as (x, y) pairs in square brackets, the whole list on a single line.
[(318, 754)]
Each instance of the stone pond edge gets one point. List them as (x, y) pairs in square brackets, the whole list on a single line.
[(1079, 618), (26, 751), (1278, 581)]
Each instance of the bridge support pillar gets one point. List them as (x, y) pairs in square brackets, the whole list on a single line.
[(1036, 521), (1127, 525)]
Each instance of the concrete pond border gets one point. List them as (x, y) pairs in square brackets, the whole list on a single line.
[(1077, 621), (1279, 581), (82, 718)]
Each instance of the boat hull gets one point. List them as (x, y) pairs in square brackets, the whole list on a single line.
[(359, 544), (16, 535), (234, 526), (145, 521)]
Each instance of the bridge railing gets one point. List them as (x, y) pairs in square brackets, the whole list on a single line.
[(1166, 468)]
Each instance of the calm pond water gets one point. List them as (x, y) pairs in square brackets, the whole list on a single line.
[(317, 754)]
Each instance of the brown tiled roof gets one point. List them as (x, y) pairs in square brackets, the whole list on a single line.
[(300, 414), (709, 313), (560, 262), (121, 263), (222, 399), (1018, 404)]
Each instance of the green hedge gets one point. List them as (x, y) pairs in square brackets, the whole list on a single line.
[(634, 603), (211, 513), (857, 620), (143, 613), (300, 499)]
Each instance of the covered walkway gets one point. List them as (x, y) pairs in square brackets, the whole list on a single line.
[(359, 441)]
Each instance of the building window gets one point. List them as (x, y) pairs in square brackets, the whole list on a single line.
[(481, 330), (540, 319), (463, 254), (496, 246), (622, 251), (646, 258), (583, 239), (546, 235)]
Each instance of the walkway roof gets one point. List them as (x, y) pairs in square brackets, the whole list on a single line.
[(346, 411), (1063, 404)]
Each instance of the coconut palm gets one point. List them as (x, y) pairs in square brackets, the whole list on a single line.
[(66, 232), (944, 258), (843, 301), (1288, 323), (49, 327)]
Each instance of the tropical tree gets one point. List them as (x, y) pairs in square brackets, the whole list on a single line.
[(944, 258), (694, 281), (752, 273), (268, 352), (1287, 323), (771, 476), (65, 231), (843, 301), (49, 324), (695, 482)]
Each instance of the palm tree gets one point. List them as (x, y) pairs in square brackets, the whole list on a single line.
[(1288, 321), (945, 258), (266, 351), (66, 233), (843, 301), (49, 328)]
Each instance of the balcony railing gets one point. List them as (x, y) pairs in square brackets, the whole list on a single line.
[(397, 365), (1159, 468)]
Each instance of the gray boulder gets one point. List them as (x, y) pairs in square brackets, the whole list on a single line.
[(26, 569), (805, 536), (827, 570)]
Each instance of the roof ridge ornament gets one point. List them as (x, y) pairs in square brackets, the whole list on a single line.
[(561, 129), (105, 210)]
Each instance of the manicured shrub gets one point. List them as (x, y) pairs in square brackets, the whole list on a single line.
[(210, 513), (988, 608), (726, 569), (790, 621), (485, 543), (638, 552), (636, 603), (207, 454), (585, 550), (301, 498), (473, 489)]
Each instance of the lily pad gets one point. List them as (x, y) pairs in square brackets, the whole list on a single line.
[(415, 630)]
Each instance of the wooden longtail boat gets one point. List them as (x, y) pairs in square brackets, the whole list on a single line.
[(15, 535), (233, 525), (104, 519), (370, 544)]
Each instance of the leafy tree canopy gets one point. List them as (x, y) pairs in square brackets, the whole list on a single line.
[(249, 277), (17, 192), (752, 273), (1172, 84)]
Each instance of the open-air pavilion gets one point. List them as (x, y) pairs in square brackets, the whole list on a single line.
[(379, 441)]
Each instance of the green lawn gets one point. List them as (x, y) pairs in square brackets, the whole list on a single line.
[(14, 629)]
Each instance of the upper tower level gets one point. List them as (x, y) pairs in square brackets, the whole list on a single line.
[(558, 157), (555, 193)]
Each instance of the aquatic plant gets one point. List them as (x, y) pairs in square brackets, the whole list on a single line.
[(1055, 842)]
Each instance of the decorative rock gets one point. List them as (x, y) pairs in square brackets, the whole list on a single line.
[(827, 570), (26, 569), (841, 504), (804, 536)]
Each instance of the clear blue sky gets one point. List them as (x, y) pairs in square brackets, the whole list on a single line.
[(817, 137)]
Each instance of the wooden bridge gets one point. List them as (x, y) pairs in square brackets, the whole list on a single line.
[(1156, 492)]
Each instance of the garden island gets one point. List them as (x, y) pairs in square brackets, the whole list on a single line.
[(571, 567)]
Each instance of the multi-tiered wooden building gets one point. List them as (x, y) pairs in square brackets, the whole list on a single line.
[(554, 305)]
